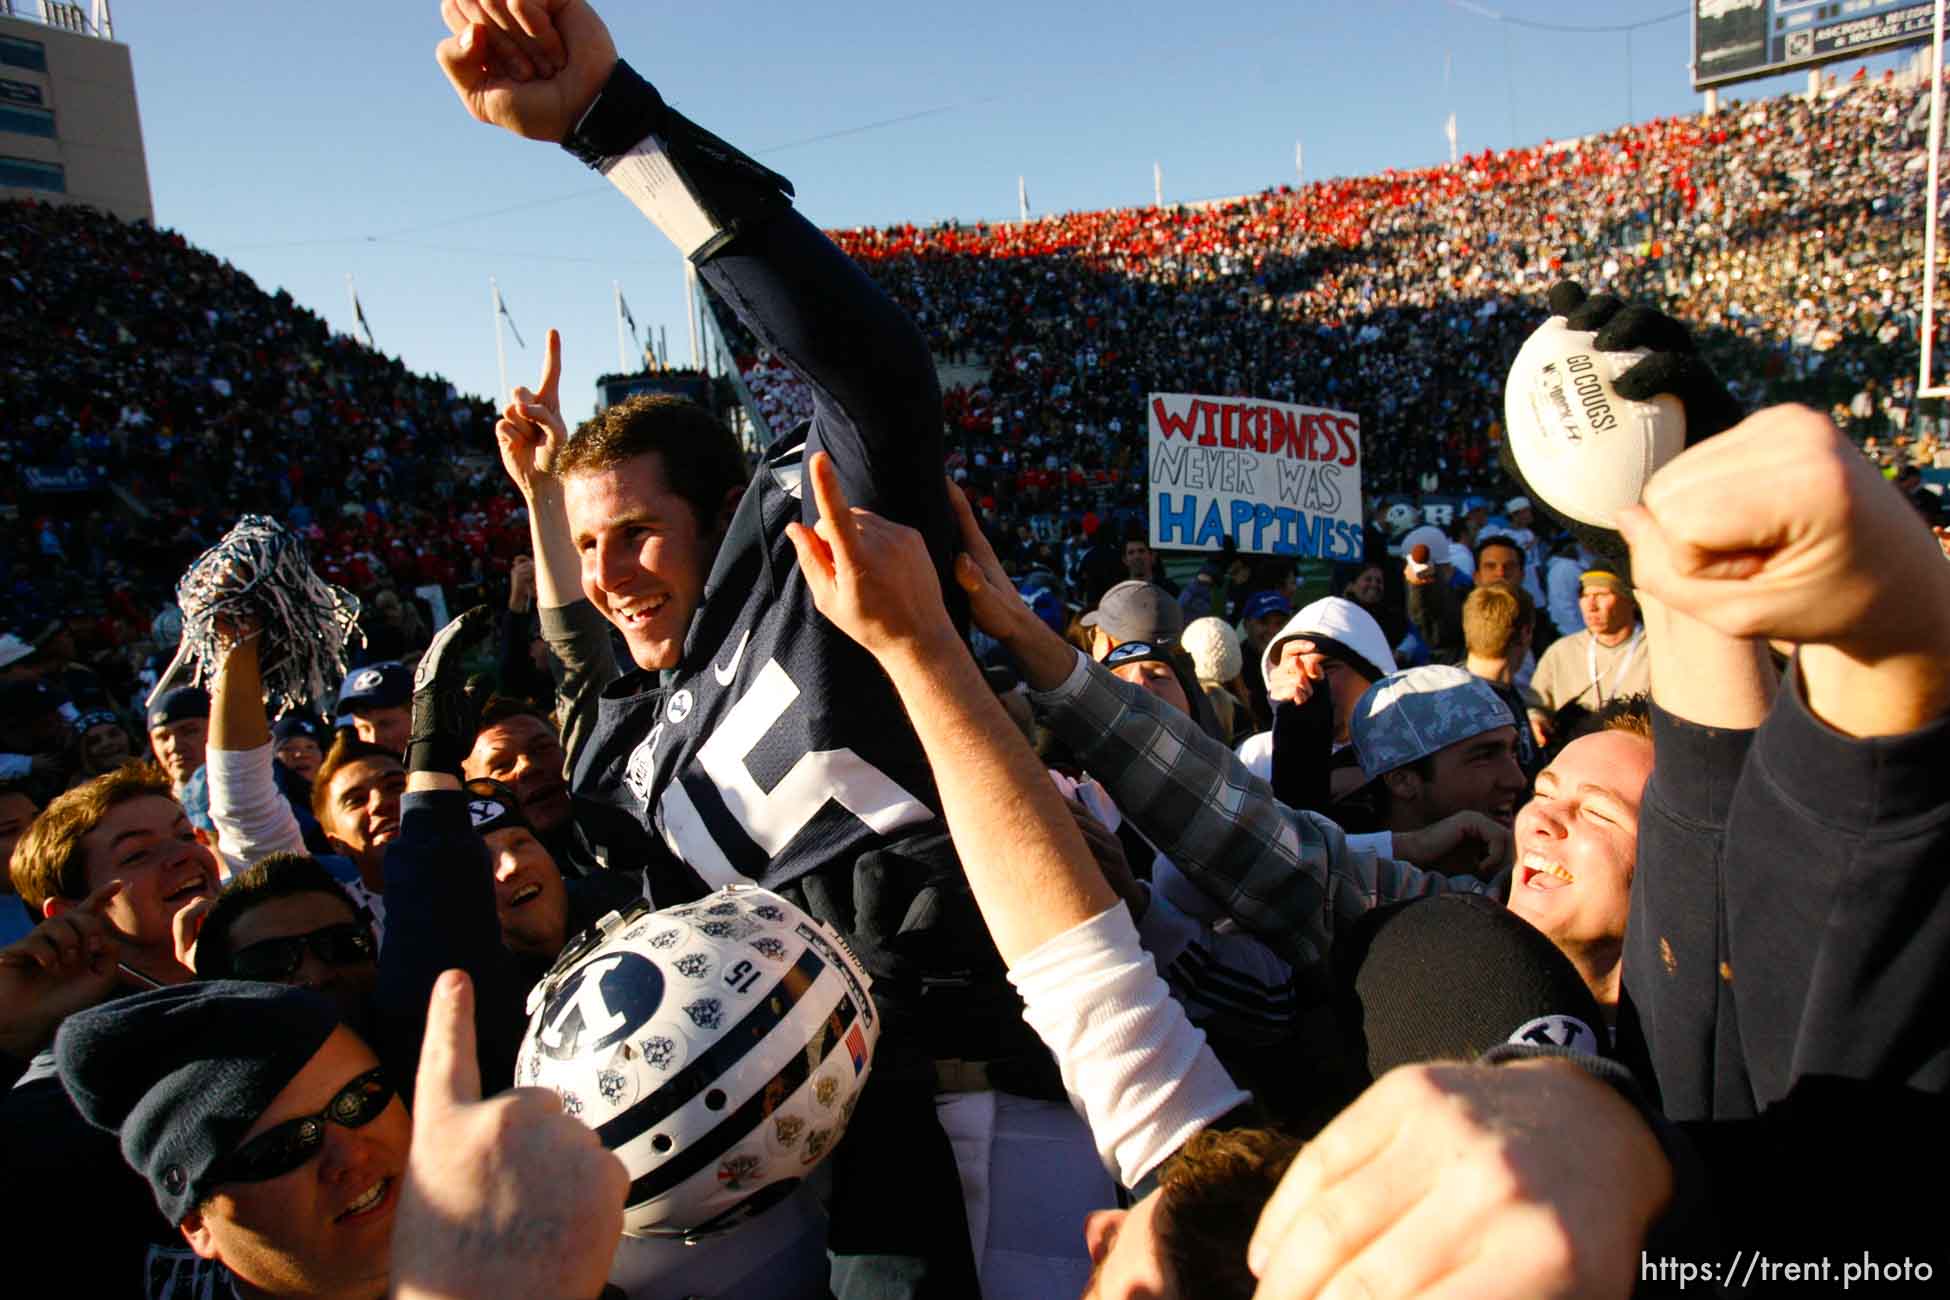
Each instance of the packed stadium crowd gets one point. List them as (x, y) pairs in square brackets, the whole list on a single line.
[(1788, 230), (802, 879), (162, 387)]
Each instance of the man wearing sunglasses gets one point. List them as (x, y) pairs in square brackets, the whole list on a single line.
[(287, 921), (267, 1131)]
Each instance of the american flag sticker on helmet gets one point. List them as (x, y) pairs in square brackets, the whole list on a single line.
[(857, 1046)]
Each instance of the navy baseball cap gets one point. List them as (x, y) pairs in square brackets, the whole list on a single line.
[(1262, 603), (175, 706), (376, 686), (293, 725)]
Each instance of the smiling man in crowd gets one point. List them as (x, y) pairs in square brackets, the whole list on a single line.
[(355, 797), (1577, 847), (267, 1132), (375, 699), (1435, 741), (111, 865), (179, 732)]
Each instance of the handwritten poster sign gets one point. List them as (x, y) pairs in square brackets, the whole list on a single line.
[(1276, 478)]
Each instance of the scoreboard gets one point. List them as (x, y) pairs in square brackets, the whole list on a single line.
[(1738, 40)]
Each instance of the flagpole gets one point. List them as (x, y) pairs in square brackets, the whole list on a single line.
[(352, 301), (1157, 185), (500, 347), (622, 353), (691, 312), (1022, 199)]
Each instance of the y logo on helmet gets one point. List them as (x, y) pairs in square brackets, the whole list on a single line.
[(600, 1005)]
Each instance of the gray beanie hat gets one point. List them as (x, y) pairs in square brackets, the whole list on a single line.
[(182, 1073)]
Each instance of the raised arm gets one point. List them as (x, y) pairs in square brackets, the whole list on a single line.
[(1778, 529), (1131, 1060), (1837, 925), (253, 819), (582, 661), (1031, 872), (1290, 877), (878, 403)]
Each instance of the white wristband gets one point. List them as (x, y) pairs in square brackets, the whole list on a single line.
[(650, 180)]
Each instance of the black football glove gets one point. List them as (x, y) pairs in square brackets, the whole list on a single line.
[(1675, 367), (445, 715)]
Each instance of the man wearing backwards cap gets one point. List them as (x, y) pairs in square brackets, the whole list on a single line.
[(179, 729), (1604, 662), (1438, 741), (1133, 611)]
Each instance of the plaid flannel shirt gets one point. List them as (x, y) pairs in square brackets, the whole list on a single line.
[(1289, 876)]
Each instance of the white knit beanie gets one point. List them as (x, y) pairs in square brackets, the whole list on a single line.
[(1214, 648)]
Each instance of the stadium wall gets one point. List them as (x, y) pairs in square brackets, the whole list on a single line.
[(69, 128)]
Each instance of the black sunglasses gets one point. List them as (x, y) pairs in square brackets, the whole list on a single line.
[(277, 1151), (273, 960)]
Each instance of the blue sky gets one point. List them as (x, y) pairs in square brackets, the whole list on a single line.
[(306, 142)]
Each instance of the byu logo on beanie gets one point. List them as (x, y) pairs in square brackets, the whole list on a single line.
[(1557, 1031)]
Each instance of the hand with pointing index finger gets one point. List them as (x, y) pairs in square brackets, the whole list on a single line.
[(871, 577), (503, 1196), (531, 430), (65, 964)]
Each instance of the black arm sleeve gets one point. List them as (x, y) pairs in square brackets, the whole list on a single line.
[(877, 402), (440, 916), (1838, 904), (1676, 1021), (514, 669), (1303, 745)]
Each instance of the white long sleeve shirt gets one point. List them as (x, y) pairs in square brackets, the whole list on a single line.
[(254, 820), (1134, 1066)]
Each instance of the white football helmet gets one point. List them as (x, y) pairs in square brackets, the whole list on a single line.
[(718, 1048), (1401, 517)]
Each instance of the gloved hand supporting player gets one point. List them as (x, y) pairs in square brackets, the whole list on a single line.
[(445, 716), (503, 1196)]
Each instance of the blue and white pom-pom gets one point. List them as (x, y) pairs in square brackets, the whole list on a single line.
[(258, 577)]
